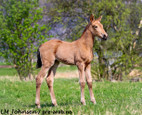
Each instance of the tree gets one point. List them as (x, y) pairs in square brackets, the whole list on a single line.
[(116, 56), (20, 33)]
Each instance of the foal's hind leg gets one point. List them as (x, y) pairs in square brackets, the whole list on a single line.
[(50, 80), (39, 80), (89, 82)]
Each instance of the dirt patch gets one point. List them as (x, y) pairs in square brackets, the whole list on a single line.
[(135, 73), (72, 74), (7, 66), (10, 78)]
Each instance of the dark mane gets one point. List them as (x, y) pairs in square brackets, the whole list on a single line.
[(86, 28)]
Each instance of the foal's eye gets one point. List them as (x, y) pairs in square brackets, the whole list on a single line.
[(95, 27)]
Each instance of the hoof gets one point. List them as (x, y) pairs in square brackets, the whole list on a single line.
[(38, 105), (83, 103), (93, 101), (54, 104)]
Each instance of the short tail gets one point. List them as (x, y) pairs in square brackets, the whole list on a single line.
[(39, 63)]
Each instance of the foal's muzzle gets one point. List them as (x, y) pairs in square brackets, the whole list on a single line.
[(104, 37)]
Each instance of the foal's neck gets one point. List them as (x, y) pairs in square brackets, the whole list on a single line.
[(87, 38)]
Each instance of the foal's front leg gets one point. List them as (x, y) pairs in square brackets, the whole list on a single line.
[(89, 82), (82, 81)]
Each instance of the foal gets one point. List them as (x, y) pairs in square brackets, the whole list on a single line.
[(79, 53)]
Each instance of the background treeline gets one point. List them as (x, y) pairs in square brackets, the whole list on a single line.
[(25, 24)]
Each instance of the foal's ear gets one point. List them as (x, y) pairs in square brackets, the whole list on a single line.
[(91, 18), (99, 19)]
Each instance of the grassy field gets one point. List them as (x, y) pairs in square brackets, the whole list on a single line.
[(112, 98)]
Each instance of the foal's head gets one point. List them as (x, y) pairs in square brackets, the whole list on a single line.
[(97, 28)]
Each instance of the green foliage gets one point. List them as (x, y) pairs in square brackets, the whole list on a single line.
[(111, 98), (20, 33), (121, 20)]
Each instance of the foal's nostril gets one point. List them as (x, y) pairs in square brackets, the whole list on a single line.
[(104, 36)]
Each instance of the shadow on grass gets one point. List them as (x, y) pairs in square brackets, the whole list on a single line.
[(42, 105), (68, 104), (51, 105)]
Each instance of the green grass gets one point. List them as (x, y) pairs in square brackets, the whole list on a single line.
[(66, 68), (112, 98), (5, 63), (8, 72)]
